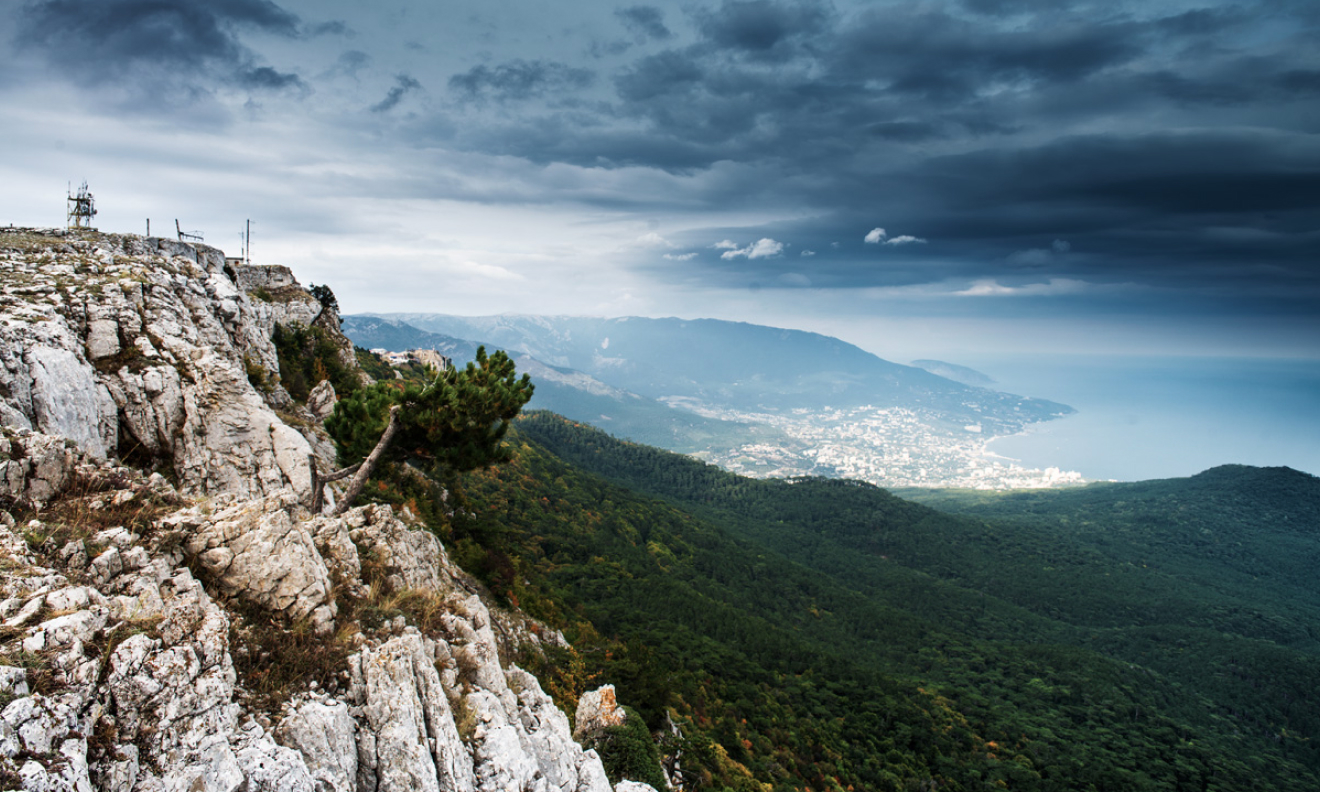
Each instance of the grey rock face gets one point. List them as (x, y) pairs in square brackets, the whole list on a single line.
[(326, 736), (147, 336), (597, 709), (433, 710), (633, 786), (321, 401), (255, 550), (34, 468), (112, 343)]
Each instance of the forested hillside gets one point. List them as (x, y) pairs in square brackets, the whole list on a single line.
[(826, 634)]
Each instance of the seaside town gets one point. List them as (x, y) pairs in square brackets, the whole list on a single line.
[(892, 447)]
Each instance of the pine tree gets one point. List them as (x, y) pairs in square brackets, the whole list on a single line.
[(452, 424)]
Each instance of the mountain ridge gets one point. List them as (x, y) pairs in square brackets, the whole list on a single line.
[(789, 402), (712, 359)]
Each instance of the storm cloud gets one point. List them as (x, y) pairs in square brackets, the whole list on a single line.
[(402, 85), (518, 79), (156, 40), (1037, 153)]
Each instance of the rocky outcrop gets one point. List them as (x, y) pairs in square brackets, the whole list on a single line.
[(597, 709), (138, 687), (216, 635), (141, 348)]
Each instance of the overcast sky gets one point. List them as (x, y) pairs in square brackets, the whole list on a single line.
[(921, 178)]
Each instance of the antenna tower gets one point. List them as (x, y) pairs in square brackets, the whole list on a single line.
[(81, 208)]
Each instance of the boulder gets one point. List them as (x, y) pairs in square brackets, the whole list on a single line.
[(596, 710)]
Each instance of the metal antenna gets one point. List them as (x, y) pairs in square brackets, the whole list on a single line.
[(81, 208), (184, 236)]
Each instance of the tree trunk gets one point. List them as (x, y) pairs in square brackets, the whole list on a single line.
[(369, 464), (319, 482)]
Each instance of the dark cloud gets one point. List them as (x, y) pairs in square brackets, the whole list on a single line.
[(645, 22), (519, 79), (335, 27), (351, 62), (938, 56), (264, 77), (1157, 143), (812, 87), (1165, 149), (402, 85), (762, 27), (1009, 7), (155, 40), (906, 131)]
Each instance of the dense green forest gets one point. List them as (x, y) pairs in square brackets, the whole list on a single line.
[(826, 634)]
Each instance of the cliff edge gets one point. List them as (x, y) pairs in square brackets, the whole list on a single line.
[(172, 617)]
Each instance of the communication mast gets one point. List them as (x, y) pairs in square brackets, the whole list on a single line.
[(81, 208)]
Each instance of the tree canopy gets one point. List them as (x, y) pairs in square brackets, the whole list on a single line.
[(452, 423)]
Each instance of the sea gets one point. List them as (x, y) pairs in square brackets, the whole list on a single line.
[(1141, 417)]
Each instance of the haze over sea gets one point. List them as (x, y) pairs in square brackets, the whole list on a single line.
[(1141, 417)]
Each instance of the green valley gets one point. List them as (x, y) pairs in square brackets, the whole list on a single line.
[(825, 634)]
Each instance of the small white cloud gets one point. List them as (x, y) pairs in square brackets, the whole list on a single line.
[(1052, 287), (762, 248), (904, 239), (873, 237), (680, 256), (653, 239), (794, 279), (726, 244), (807, 253), (491, 271), (1060, 246)]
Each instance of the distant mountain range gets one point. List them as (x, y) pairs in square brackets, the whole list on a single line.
[(573, 393), (734, 365)]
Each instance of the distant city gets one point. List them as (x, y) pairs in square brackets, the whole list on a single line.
[(893, 447)]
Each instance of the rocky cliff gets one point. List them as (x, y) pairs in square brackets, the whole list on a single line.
[(196, 627)]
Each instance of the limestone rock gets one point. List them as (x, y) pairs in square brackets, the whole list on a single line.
[(111, 344), (597, 709), (171, 337), (255, 550), (67, 399), (321, 401), (268, 767), (326, 736)]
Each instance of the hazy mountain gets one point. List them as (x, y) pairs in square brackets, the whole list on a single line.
[(572, 393), (963, 374), (737, 366)]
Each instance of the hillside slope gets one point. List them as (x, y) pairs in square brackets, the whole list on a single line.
[(956, 603)]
